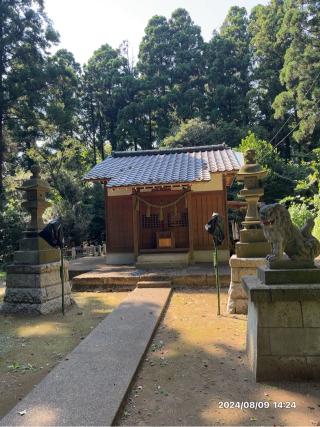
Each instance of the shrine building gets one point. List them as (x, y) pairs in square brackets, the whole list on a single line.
[(157, 202)]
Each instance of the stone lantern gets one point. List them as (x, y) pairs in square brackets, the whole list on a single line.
[(252, 248), (252, 241), (33, 279), (35, 192), (32, 248)]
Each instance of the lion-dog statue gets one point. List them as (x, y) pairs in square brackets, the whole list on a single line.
[(284, 236)]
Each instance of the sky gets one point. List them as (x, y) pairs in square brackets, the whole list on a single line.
[(84, 25)]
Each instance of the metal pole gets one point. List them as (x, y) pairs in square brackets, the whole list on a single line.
[(62, 279), (216, 268)]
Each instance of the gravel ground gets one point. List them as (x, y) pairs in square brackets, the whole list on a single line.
[(197, 360), (31, 346)]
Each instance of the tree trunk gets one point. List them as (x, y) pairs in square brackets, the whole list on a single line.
[(2, 140), (101, 138), (94, 149), (2, 147), (112, 136), (150, 130)]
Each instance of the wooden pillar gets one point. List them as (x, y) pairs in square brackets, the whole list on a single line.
[(106, 213), (190, 226), (226, 217), (135, 220)]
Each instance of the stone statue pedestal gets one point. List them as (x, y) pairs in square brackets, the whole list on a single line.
[(33, 283), (283, 324), (237, 297)]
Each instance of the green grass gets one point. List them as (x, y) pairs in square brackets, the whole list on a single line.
[(2, 275)]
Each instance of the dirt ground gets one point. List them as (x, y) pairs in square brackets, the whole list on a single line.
[(197, 360), (31, 346)]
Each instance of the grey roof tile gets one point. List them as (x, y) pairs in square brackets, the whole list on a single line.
[(180, 165)]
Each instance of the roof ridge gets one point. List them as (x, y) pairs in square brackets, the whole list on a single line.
[(170, 150)]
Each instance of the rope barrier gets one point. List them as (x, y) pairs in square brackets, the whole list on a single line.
[(168, 205), (160, 207)]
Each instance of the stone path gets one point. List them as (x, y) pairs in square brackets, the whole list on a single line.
[(89, 386)]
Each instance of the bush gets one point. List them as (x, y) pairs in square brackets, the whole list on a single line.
[(282, 176), (300, 213), (316, 229)]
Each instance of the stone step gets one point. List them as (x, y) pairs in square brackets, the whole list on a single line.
[(89, 386), (154, 284), (153, 266), (163, 260), (97, 280)]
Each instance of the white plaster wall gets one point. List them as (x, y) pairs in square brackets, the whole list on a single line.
[(215, 184), (119, 192)]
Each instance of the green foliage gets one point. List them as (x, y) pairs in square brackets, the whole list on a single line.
[(192, 132), (265, 152), (171, 65), (12, 218), (195, 132), (305, 202), (267, 50), (80, 208), (300, 213), (300, 72), (316, 229), (282, 176), (62, 107), (25, 36), (253, 82), (21, 367), (227, 83), (105, 80)]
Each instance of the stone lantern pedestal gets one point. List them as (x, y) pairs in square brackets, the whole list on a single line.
[(252, 248), (33, 282)]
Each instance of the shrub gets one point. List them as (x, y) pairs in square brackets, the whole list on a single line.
[(300, 213)]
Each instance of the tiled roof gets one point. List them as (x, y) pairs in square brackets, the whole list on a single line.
[(179, 165)]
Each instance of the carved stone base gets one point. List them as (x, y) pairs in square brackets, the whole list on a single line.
[(35, 289)]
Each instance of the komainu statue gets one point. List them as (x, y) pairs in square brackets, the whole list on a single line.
[(284, 236)]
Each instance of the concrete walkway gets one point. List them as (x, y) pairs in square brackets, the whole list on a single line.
[(89, 386)]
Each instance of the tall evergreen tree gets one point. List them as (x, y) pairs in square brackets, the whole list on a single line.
[(188, 65), (25, 36), (301, 72), (171, 67), (228, 82), (104, 95), (155, 69), (63, 75), (267, 58)]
